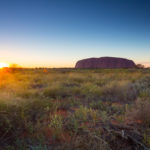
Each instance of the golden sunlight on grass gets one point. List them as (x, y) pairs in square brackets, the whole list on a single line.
[(3, 65)]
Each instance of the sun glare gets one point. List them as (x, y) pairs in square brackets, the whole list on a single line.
[(3, 65)]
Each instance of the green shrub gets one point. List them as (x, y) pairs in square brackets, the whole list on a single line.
[(97, 105), (56, 92), (86, 142), (140, 112), (120, 92)]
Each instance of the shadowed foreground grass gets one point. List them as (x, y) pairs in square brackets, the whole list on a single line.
[(68, 109)]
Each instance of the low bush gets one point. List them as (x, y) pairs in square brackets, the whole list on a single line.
[(120, 92), (140, 112)]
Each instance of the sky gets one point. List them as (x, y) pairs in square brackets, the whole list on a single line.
[(57, 33)]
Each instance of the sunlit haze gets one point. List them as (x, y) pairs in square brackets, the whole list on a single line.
[(3, 65)]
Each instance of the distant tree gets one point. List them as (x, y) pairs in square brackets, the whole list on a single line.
[(14, 66), (45, 70), (140, 66)]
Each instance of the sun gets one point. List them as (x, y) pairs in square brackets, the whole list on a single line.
[(3, 65)]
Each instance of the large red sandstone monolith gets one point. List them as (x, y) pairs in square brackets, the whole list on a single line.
[(105, 62)]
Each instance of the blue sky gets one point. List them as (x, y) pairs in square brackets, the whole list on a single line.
[(57, 33)]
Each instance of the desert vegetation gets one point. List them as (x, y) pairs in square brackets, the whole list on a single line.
[(74, 109)]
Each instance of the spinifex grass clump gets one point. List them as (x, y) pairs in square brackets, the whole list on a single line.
[(140, 112), (73, 109), (23, 121)]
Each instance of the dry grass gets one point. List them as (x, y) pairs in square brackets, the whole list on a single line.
[(66, 108)]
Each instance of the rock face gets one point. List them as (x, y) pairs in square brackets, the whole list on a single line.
[(105, 62)]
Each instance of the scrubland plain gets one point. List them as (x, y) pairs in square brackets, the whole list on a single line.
[(74, 109)]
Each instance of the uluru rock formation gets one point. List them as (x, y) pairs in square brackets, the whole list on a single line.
[(105, 62)]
